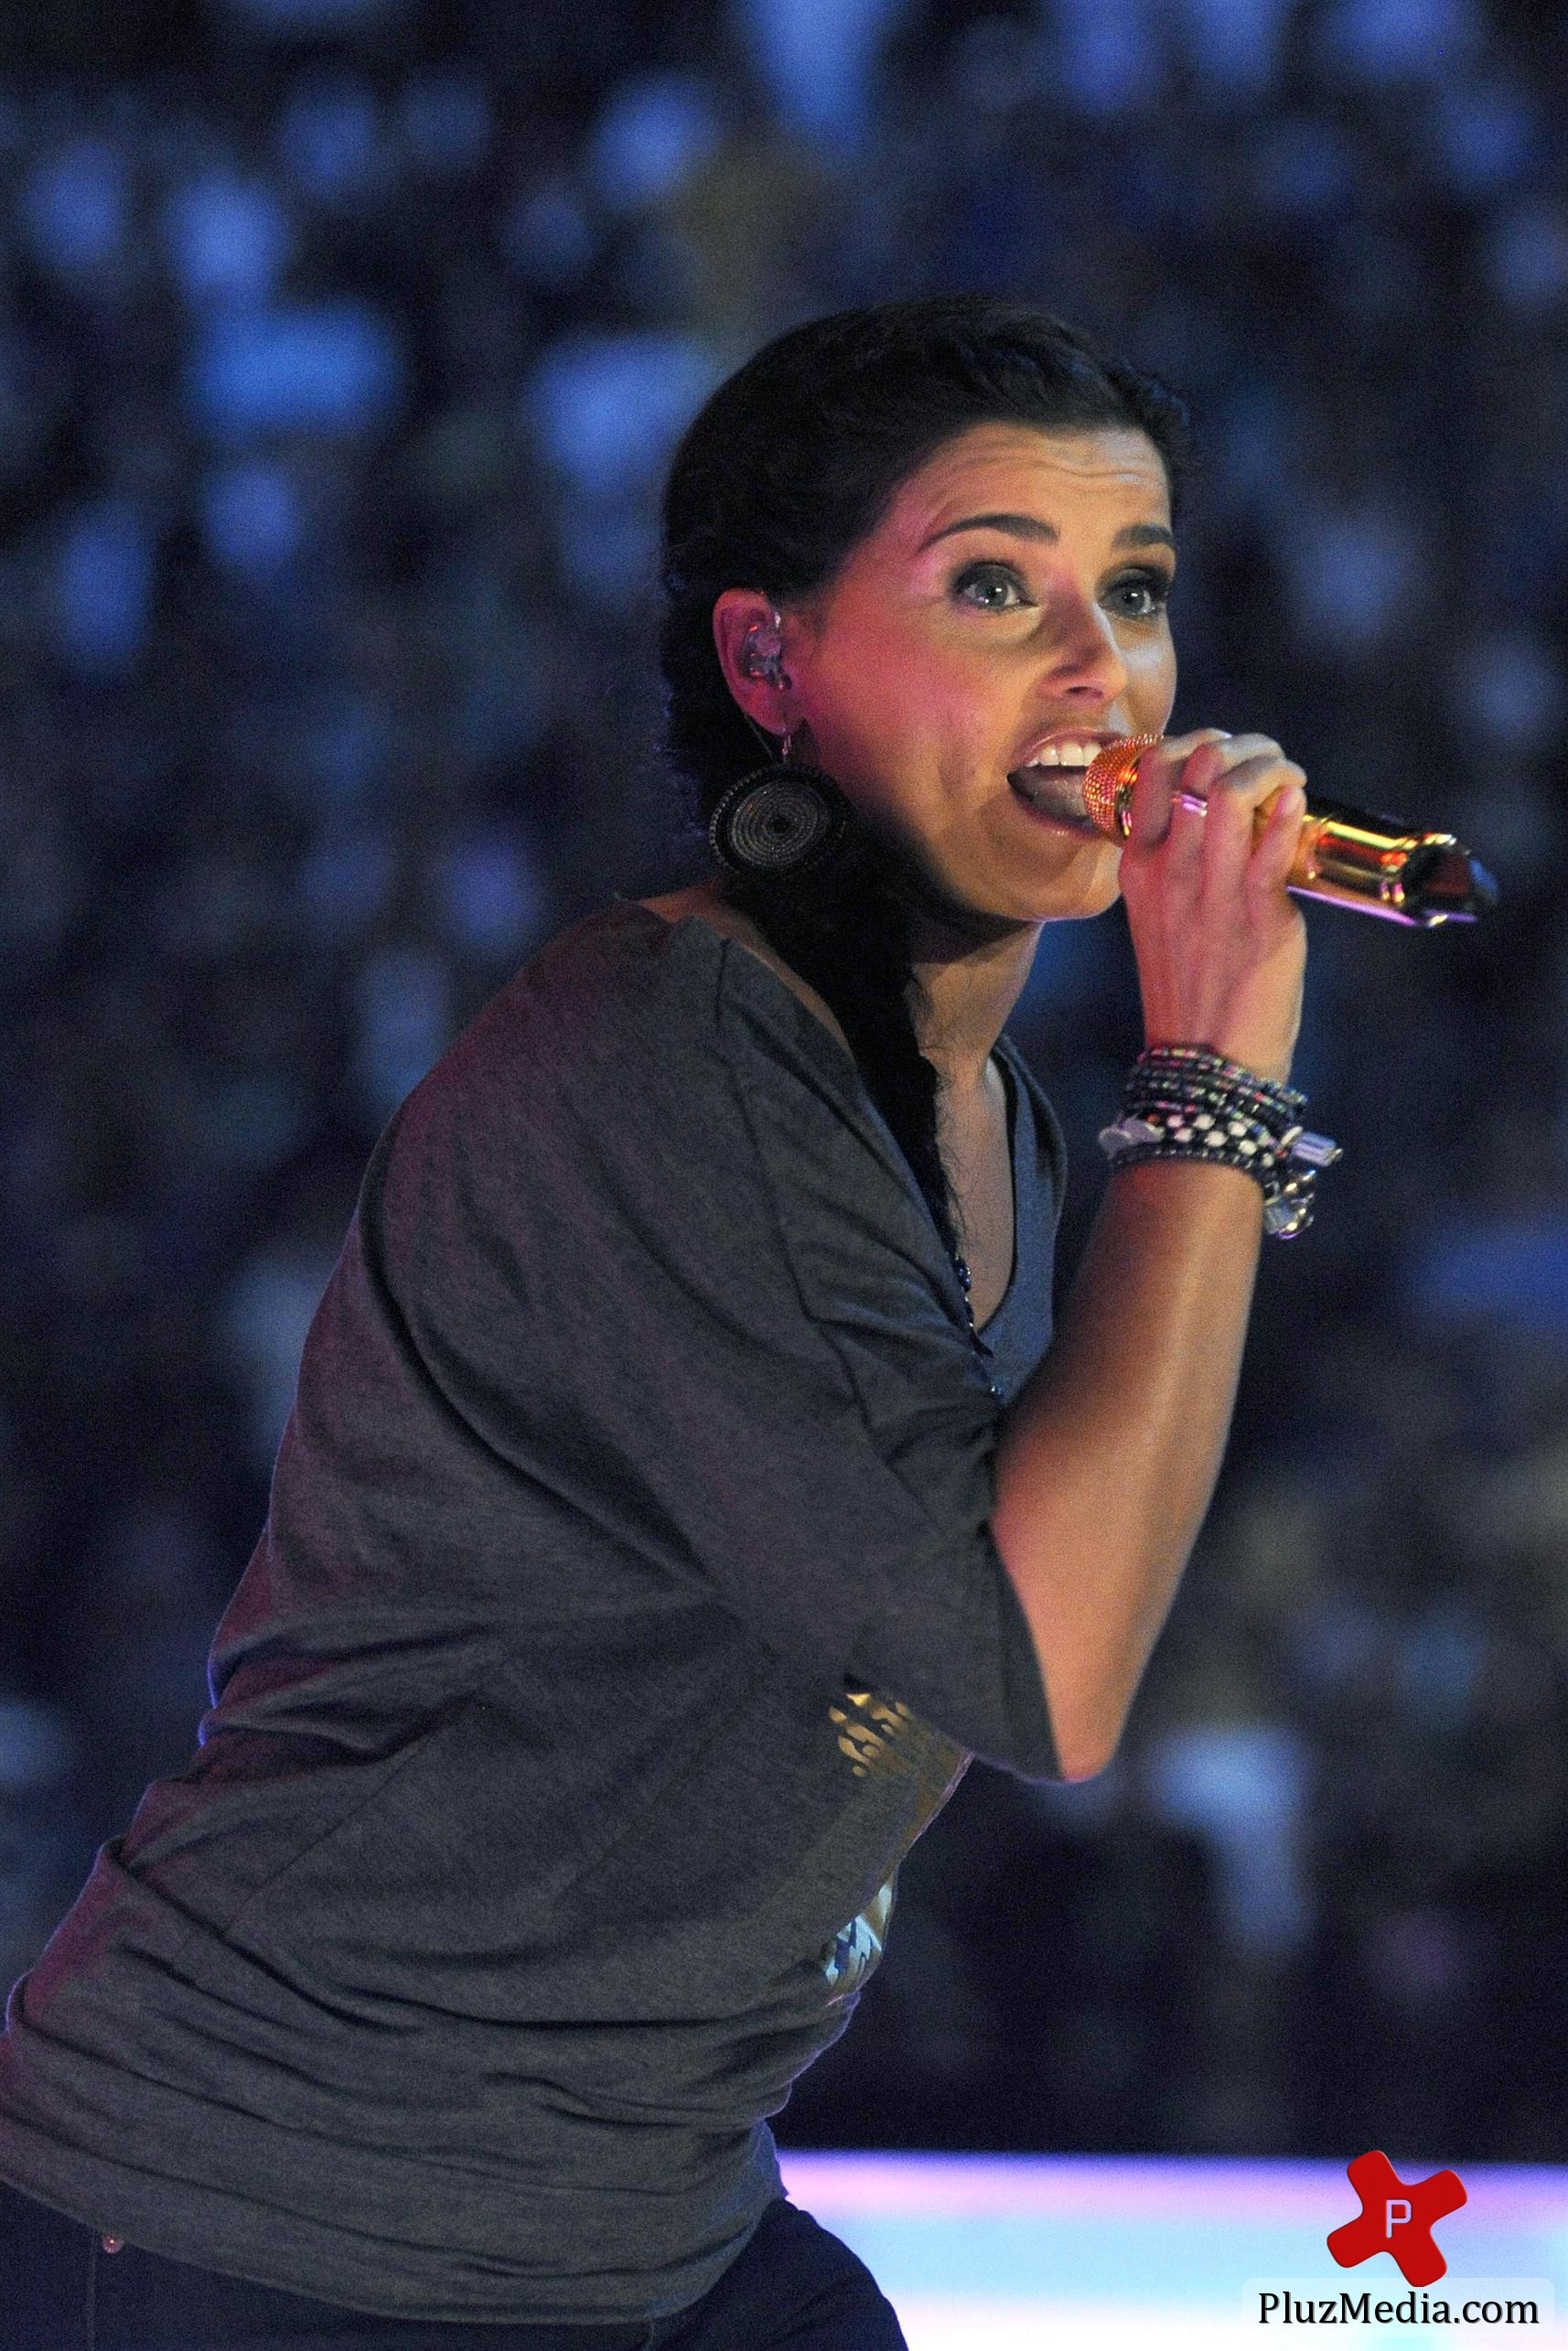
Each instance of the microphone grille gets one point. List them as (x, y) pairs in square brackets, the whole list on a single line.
[(1108, 784)]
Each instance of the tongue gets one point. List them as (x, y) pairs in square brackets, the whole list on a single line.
[(1059, 791)]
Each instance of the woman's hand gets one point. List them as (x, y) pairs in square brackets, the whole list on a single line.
[(1221, 948)]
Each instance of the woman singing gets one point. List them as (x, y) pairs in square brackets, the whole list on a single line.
[(682, 1482)]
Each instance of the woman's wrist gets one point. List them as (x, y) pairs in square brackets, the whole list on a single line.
[(1188, 1102)]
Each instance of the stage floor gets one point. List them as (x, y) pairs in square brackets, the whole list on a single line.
[(1048, 2253)]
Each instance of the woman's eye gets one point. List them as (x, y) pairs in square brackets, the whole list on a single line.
[(989, 577), (1150, 592)]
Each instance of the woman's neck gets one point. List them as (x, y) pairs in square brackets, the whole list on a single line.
[(969, 981)]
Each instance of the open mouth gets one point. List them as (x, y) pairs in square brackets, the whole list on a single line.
[(1052, 783)]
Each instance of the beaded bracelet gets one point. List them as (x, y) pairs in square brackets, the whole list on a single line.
[(1183, 1102), (1209, 1063), (1169, 1068)]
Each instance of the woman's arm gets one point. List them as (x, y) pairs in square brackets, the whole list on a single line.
[(1108, 1457)]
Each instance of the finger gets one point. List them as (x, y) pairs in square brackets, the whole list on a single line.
[(1227, 837), (1154, 778), (1273, 852), (1200, 794), (1181, 746), (1241, 797), (1250, 764)]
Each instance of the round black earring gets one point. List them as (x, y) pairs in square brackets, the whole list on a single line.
[(779, 821)]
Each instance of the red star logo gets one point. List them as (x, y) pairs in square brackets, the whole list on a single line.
[(1396, 2217)]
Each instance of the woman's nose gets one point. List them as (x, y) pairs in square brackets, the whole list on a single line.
[(1085, 657)]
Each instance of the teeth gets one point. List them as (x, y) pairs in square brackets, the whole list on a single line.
[(1065, 754)]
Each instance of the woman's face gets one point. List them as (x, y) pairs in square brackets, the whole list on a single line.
[(1013, 595)]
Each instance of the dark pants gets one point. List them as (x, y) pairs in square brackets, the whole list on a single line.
[(795, 2284)]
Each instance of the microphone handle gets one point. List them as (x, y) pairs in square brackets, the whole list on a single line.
[(1378, 863), (1348, 856)]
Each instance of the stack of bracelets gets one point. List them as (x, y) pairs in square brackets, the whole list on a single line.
[(1183, 1102)]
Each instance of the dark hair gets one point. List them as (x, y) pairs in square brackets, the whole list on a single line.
[(788, 465)]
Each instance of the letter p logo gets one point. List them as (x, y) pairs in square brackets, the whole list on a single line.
[(1409, 2209)]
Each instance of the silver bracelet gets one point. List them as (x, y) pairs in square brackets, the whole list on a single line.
[(1186, 1102)]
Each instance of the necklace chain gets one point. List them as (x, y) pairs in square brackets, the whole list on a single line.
[(965, 1278)]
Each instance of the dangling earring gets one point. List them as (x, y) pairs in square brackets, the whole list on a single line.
[(780, 822)]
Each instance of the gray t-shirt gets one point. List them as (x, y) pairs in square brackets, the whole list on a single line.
[(625, 1606)]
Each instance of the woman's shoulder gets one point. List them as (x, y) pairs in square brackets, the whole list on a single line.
[(704, 902), (638, 999)]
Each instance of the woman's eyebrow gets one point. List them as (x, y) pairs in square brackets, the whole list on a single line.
[(1030, 526)]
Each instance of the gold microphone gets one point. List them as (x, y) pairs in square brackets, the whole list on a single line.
[(1376, 864)]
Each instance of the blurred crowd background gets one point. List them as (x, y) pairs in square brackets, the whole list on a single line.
[(342, 343)]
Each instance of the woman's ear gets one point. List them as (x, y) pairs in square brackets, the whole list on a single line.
[(748, 636)]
